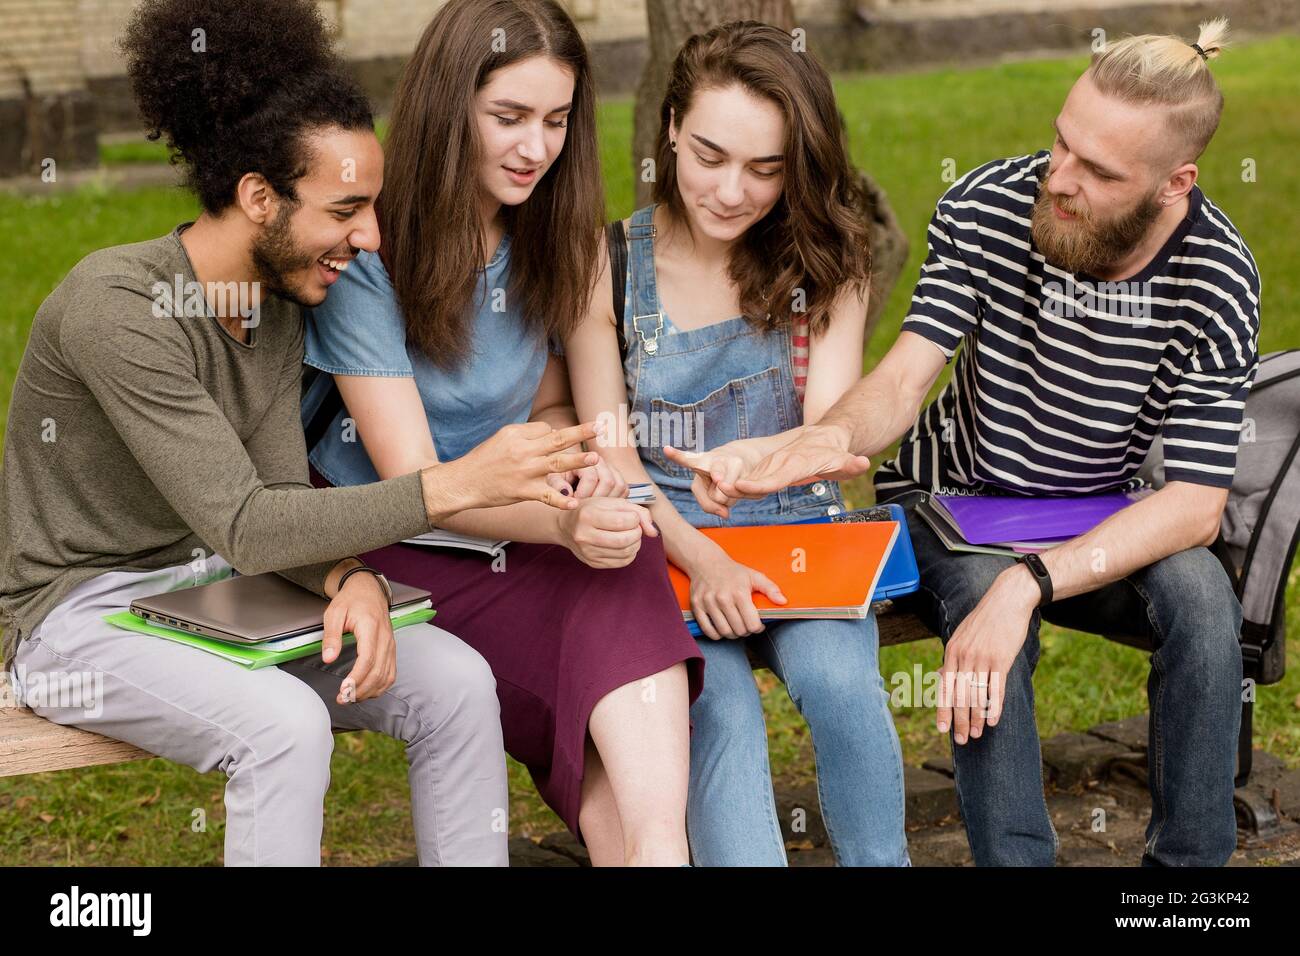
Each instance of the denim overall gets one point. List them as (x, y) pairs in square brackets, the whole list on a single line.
[(696, 390), (700, 389)]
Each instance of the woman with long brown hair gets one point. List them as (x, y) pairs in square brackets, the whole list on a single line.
[(490, 222), (742, 316)]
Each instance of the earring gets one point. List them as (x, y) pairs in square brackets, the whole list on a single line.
[(672, 143), (1164, 202)]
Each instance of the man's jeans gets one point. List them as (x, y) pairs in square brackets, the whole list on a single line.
[(1185, 605)]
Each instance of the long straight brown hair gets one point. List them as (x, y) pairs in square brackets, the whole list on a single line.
[(815, 238), (429, 218)]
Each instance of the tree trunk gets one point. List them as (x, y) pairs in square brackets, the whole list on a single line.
[(671, 22)]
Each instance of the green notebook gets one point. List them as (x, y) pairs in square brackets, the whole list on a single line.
[(248, 655)]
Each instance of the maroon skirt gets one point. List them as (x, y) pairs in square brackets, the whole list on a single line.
[(558, 635)]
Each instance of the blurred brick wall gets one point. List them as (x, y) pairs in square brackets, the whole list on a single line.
[(61, 76), (46, 112)]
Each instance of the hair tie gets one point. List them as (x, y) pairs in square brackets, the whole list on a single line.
[(1203, 55)]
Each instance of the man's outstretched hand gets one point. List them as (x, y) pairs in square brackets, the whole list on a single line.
[(734, 471)]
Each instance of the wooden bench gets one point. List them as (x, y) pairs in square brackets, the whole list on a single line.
[(31, 744)]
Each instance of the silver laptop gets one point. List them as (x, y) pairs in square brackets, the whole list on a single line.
[(250, 609)]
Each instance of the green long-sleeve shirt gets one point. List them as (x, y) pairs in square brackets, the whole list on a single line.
[(138, 435)]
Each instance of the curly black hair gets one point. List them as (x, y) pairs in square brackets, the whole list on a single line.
[(235, 85)]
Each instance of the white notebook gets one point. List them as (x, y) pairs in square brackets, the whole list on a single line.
[(439, 538), (639, 494)]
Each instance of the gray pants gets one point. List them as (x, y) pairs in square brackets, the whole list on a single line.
[(269, 730)]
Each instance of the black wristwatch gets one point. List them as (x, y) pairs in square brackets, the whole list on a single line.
[(1039, 570)]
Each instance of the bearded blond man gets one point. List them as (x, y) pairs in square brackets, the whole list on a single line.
[(1094, 297)]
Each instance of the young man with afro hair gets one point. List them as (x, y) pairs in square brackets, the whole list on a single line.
[(154, 442)]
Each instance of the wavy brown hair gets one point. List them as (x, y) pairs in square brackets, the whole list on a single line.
[(429, 217), (816, 236)]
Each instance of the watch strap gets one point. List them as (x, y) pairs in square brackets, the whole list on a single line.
[(1039, 570)]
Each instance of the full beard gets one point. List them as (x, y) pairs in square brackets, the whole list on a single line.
[(276, 256), (1084, 245)]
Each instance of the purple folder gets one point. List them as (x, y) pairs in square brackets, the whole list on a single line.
[(997, 519)]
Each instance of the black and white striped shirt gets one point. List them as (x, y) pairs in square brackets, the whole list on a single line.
[(1065, 381)]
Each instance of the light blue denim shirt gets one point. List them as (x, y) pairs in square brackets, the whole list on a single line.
[(359, 330)]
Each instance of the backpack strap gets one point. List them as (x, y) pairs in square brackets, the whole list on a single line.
[(331, 403), (617, 241)]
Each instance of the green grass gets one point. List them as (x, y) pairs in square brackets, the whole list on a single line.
[(902, 128), (132, 153)]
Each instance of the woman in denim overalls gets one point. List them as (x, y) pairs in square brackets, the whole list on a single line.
[(712, 379)]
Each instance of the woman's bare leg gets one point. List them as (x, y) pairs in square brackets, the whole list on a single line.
[(598, 816), (642, 732)]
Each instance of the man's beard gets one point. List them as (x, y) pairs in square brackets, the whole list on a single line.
[(276, 256), (1083, 244)]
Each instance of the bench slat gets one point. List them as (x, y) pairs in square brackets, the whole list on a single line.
[(898, 628), (31, 744)]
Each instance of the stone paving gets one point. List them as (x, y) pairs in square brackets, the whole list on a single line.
[(1096, 794)]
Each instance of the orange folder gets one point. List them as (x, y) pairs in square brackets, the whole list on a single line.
[(824, 570)]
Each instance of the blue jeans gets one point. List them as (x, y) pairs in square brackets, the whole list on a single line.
[(1185, 607), (832, 673)]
